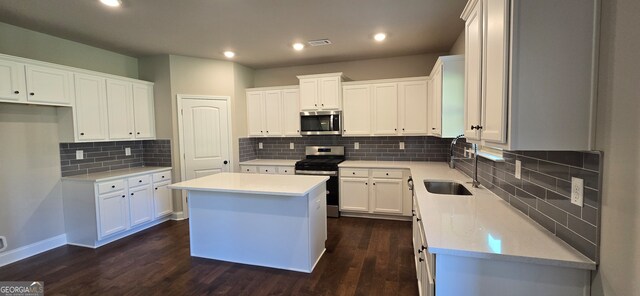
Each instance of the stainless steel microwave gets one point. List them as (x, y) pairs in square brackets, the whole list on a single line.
[(321, 123)]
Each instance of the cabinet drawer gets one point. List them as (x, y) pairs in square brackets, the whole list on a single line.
[(286, 170), (249, 169), (389, 174), (109, 186), (139, 180), (354, 173), (162, 176), (268, 170)]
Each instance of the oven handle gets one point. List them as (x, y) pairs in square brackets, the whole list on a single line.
[(317, 173)]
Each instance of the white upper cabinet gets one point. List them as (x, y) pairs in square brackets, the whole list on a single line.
[(273, 111), (103, 107), (330, 94), (385, 109), (291, 112), (321, 92), (513, 65), (473, 72), (47, 85), (356, 110), (120, 106), (90, 108), (143, 111), (12, 82), (447, 99), (413, 99), (255, 113)]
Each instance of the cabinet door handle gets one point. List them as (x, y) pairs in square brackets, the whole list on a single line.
[(365, 183), (395, 129), (113, 186), (139, 181), (82, 134), (420, 259), (374, 184), (417, 219), (131, 193), (130, 133), (32, 94), (315, 105), (419, 251), (162, 177), (16, 92), (156, 188), (138, 133), (353, 173), (387, 174), (433, 128), (123, 196), (322, 105)]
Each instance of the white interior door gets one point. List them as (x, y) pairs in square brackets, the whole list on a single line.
[(205, 125)]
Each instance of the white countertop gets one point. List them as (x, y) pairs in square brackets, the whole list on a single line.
[(271, 162), (286, 185), (480, 226), (116, 174)]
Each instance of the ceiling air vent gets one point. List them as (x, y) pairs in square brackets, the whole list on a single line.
[(319, 42)]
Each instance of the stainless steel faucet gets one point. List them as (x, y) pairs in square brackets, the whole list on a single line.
[(452, 164), (475, 183)]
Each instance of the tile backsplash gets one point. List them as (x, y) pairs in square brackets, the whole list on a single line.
[(420, 148), (107, 156), (544, 190)]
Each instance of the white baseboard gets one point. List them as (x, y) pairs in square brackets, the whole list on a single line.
[(375, 216), (32, 249), (177, 216)]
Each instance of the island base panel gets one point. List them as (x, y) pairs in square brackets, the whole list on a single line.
[(267, 230)]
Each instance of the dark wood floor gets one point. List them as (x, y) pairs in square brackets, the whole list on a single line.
[(364, 257)]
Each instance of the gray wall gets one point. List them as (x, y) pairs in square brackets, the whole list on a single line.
[(458, 47), (395, 67), (38, 46), (30, 196), (156, 69), (618, 135)]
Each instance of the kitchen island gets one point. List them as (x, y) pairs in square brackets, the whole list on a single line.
[(275, 221)]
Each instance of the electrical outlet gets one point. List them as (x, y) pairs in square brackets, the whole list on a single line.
[(291, 146), (79, 154), (356, 145), (127, 151), (518, 169), (260, 145), (401, 145), (577, 191)]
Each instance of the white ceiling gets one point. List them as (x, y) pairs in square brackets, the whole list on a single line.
[(259, 31)]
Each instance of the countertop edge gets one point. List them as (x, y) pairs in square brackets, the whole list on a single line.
[(245, 191), (78, 178), (512, 258)]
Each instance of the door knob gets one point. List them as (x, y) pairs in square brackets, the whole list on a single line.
[(225, 162)]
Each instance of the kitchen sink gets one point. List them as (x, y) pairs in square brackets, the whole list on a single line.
[(445, 187)]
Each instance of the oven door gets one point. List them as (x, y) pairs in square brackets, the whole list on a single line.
[(320, 123)]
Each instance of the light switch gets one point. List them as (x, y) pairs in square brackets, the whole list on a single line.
[(518, 169), (79, 154), (356, 145), (577, 191), (401, 145), (291, 146), (127, 151), (260, 145)]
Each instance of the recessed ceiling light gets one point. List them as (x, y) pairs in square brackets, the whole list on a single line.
[(111, 3), (380, 37), (229, 54), (298, 46)]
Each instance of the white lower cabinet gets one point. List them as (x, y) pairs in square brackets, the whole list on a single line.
[(113, 213), (267, 169), (140, 205), (99, 212), (374, 191), (162, 203), (354, 194)]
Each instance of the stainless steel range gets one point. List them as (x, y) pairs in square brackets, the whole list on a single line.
[(323, 161)]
